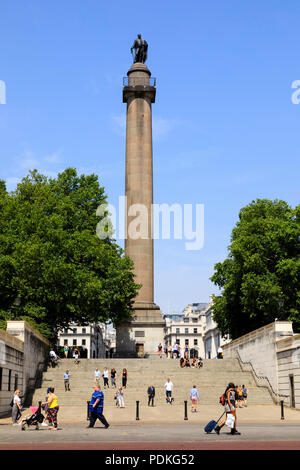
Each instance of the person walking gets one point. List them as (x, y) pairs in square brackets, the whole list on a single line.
[(169, 390), (230, 408), (67, 380), (96, 408), (169, 351), (52, 408), (76, 355), (66, 351), (160, 350), (16, 412), (120, 398), (105, 377), (245, 394), (124, 378), (97, 374), (113, 377), (151, 395), (175, 351), (194, 396)]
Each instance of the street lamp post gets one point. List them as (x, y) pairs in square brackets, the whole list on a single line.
[(15, 305)]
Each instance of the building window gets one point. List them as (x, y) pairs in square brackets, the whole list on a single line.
[(74, 331), (186, 320), (65, 331), (195, 320), (195, 330), (177, 330), (74, 342), (139, 334), (9, 380), (186, 330), (65, 342), (16, 381), (178, 342), (195, 342), (84, 331), (83, 342), (186, 342)]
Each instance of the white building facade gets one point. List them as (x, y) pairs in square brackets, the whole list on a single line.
[(187, 329), (211, 335), (89, 339)]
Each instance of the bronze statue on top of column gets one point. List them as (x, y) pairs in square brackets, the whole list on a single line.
[(141, 49)]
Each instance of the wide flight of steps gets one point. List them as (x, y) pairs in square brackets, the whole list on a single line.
[(211, 381)]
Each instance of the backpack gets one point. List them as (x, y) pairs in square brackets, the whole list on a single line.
[(11, 403), (222, 399)]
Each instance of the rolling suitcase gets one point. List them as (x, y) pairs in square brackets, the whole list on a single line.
[(212, 424)]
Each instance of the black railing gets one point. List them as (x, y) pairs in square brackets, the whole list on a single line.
[(139, 81)]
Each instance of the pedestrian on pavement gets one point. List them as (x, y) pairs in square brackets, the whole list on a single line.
[(66, 351), (230, 408), (169, 390), (97, 374), (160, 350), (96, 408), (45, 408), (67, 380), (169, 351), (120, 398), (124, 378), (245, 394), (105, 377), (113, 377), (151, 395), (186, 352), (76, 355), (16, 408), (194, 396), (52, 408)]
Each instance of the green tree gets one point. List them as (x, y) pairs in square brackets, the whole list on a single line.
[(53, 260), (263, 266)]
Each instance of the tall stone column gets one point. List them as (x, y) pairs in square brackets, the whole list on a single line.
[(145, 331)]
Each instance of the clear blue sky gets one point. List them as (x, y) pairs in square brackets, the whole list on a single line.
[(225, 129)]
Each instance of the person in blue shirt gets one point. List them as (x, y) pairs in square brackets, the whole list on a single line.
[(96, 408)]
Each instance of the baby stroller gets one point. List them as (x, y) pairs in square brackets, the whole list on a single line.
[(35, 419)]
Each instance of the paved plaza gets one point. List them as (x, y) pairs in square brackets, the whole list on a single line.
[(261, 428)]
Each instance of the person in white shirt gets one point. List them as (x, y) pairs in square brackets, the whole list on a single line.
[(169, 389), (97, 374), (105, 377), (17, 408), (66, 380)]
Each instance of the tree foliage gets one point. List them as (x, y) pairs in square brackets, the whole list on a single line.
[(52, 259), (263, 266)]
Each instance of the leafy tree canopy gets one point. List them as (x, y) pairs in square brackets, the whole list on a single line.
[(52, 259), (262, 267)]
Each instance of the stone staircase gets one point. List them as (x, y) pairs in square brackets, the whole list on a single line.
[(211, 381)]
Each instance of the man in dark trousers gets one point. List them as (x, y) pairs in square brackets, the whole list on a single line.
[(151, 394), (96, 408)]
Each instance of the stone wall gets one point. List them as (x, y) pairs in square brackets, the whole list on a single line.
[(288, 360), (11, 368), (23, 354), (259, 348)]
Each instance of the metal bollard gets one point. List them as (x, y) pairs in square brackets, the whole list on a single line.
[(137, 411), (282, 409), (88, 412), (185, 410)]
